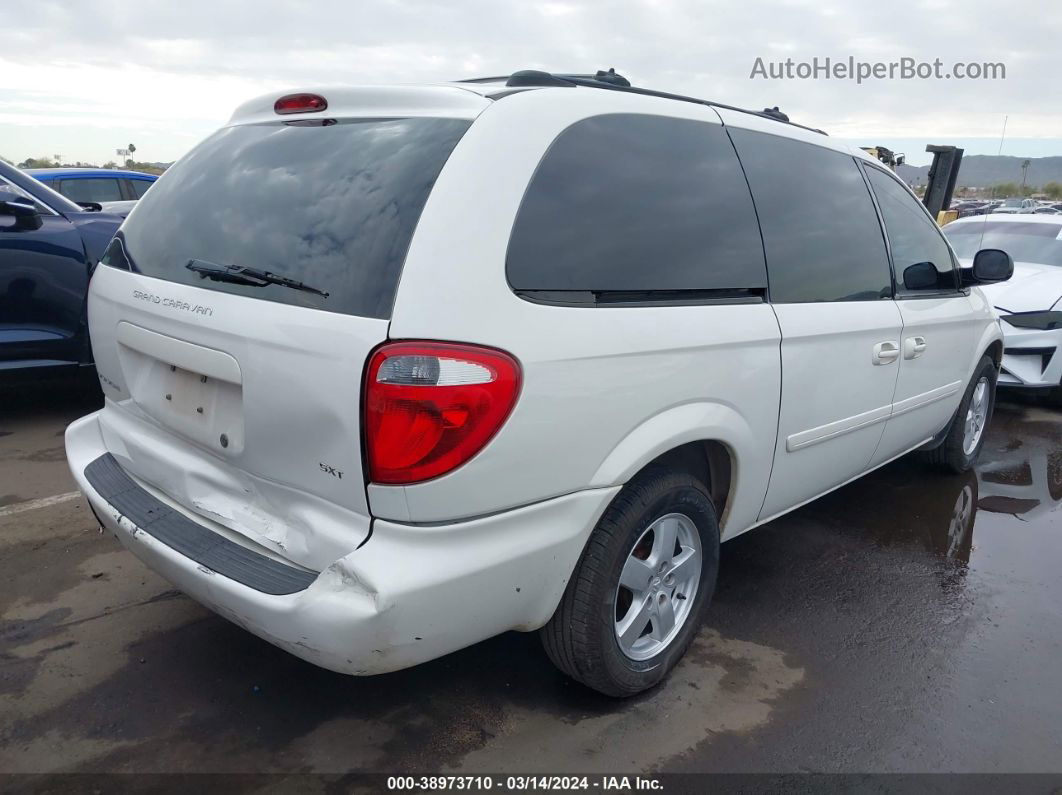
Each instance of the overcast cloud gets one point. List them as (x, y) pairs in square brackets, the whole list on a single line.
[(82, 78)]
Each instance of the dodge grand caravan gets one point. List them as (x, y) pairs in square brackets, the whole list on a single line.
[(392, 370)]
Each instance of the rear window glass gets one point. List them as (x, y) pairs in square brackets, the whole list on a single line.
[(333, 207), (637, 203), (1025, 242)]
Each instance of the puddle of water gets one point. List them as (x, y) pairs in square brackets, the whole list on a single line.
[(721, 685)]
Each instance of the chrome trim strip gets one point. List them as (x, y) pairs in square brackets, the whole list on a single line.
[(799, 441), (932, 396), (831, 430)]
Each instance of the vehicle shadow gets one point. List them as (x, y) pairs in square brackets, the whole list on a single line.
[(40, 398)]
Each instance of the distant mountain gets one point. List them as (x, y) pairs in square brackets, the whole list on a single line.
[(982, 171)]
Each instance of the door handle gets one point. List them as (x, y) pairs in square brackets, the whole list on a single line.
[(913, 347), (886, 352)]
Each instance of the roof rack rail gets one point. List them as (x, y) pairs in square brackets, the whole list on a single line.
[(612, 81)]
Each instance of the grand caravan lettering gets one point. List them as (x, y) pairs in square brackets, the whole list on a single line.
[(173, 303)]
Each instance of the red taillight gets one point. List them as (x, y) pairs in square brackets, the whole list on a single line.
[(430, 407), (300, 103)]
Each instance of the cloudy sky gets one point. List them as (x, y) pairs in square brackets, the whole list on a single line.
[(83, 78)]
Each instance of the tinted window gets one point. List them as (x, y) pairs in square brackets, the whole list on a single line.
[(820, 228), (140, 186), (913, 236), (331, 206), (1025, 242), (629, 202), (92, 189)]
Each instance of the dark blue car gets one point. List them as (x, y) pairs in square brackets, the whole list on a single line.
[(48, 248), (95, 184)]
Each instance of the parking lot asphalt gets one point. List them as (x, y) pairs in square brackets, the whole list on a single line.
[(907, 622)]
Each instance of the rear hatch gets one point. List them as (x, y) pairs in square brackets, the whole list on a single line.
[(233, 314)]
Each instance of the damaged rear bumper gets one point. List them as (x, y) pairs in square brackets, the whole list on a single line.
[(411, 593)]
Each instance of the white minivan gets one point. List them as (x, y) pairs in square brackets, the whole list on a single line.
[(392, 370)]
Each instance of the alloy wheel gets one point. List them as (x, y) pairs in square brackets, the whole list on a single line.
[(658, 585), (976, 416)]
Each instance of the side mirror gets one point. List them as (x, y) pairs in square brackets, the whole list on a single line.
[(990, 265), (26, 216), (91, 207), (920, 276)]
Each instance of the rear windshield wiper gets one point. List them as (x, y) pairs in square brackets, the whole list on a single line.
[(238, 274)]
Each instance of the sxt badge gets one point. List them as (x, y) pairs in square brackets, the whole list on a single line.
[(331, 470)]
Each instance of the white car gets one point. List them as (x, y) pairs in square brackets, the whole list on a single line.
[(392, 370), (1012, 206), (1030, 304)]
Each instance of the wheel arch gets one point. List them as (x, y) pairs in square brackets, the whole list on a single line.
[(995, 350), (710, 461), (711, 441)]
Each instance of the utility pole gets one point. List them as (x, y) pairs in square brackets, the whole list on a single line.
[(1024, 171)]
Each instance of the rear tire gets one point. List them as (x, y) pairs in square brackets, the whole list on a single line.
[(586, 638), (964, 441)]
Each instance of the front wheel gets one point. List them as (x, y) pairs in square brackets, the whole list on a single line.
[(966, 435), (635, 599)]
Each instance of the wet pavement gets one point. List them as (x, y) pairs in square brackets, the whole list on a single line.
[(907, 622)]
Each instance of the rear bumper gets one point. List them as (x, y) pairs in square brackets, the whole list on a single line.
[(1031, 358), (408, 595)]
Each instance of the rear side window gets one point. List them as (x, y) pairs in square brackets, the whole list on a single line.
[(913, 236), (633, 204), (333, 207), (139, 186), (820, 228), (92, 189)]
